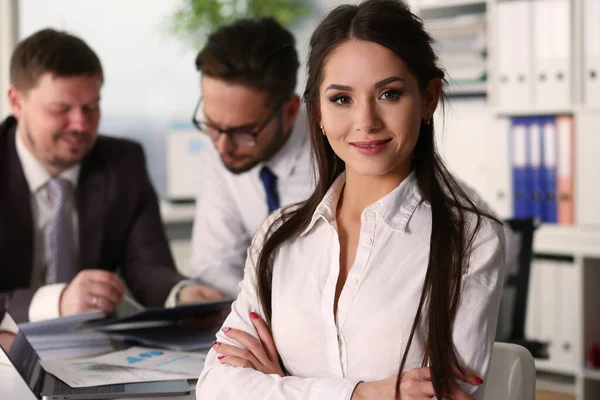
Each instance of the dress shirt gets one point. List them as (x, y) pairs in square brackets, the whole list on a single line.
[(45, 302), (230, 208), (327, 355)]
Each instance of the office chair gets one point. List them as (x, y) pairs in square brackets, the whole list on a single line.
[(512, 374), (513, 305)]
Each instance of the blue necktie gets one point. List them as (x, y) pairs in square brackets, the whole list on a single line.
[(269, 180), (61, 268)]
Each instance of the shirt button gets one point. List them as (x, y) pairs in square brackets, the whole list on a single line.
[(368, 241), (371, 214), (352, 282)]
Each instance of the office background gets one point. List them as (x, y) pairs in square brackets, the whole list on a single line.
[(522, 71)]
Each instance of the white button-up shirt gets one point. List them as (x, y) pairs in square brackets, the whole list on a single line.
[(327, 356), (230, 208)]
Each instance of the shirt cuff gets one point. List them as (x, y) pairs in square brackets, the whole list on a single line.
[(45, 303), (334, 389), (172, 298), (8, 324)]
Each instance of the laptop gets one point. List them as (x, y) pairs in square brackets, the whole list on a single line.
[(45, 386)]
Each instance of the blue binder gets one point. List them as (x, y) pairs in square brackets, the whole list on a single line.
[(535, 182), (549, 156), (518, 141)]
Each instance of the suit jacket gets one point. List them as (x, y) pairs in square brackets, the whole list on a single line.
[(120, 228)]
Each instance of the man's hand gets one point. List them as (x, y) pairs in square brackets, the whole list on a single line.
[(6, 340), (198, 293), (92, 289)]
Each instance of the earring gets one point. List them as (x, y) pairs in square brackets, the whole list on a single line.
[(323, 130), (428, 120)]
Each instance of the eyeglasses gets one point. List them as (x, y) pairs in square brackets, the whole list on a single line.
[(240, 136)]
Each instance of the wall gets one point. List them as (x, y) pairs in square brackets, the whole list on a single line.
[(8, 37), (151, 79)]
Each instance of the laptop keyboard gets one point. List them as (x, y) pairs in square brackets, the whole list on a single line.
[(61, 388)]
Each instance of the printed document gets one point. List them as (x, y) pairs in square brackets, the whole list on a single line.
[(87, 372), (185, 363)]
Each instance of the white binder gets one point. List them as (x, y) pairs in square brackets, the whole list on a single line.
[(552, 53), (514, 75), (566, 326), (591, 53)]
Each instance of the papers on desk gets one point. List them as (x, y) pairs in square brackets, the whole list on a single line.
[(87, 372), (57, 338), (190, 364), (71, 345), (136, 364)]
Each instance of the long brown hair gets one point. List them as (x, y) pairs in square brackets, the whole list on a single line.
[(391, 24)]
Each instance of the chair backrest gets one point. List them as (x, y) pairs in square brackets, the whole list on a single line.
[(512, 374), (519, 253)]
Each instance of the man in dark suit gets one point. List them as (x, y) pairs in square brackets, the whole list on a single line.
[(75, 207)]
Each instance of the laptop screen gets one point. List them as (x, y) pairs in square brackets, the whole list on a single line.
[(25, 360)]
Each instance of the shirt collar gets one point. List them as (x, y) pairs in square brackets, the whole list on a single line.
[(395, 209), (36, 175), (284, 161)]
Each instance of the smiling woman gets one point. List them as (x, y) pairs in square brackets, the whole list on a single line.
[(386, 282)]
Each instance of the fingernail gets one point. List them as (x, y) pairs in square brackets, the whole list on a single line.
[(254, 315), (478, 380), (215, 344), (226, 329), (220, 357)]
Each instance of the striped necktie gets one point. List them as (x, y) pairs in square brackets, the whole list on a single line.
[(61, 268)]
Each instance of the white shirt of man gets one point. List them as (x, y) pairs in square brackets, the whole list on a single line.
[(230, 208)]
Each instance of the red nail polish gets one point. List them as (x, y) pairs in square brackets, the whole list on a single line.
[(478, 380), (254, 315), (220, 357), (226, 329), (215, 344)]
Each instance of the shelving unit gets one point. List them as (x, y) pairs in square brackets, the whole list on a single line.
[(459, 29), (436, 5), (474, 140)]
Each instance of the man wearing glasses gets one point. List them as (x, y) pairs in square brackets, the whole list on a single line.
[(261, 156)]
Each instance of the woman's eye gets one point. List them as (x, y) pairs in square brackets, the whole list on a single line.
[(341, 100), (391, 94)]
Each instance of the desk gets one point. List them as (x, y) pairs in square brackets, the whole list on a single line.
[(13, 387)]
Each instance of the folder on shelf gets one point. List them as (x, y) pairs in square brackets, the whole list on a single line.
[(549, 153), (514, 54), (552, 52), (565, 167), (535, 187), (518, 140), (591, 52)]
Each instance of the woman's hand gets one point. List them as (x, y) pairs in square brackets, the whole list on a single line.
[(259, 354), (415, 384)]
